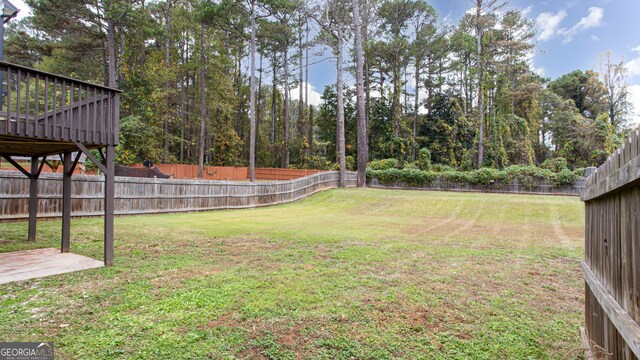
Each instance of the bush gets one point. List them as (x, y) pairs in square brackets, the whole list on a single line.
[(454, 176), (424, 159), (411, 166), (413, 177), (383, 164), (528, 175), (579, 172), (486, 176), (556, 164), (350, 163), (565, 177), (441, 168)]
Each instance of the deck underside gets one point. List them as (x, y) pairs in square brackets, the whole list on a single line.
[(26, 146)]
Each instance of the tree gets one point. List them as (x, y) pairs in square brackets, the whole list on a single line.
[(363, 144), (482, 20), (334, 24), (614, 78)]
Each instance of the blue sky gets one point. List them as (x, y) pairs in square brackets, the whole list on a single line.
[(571, 34)]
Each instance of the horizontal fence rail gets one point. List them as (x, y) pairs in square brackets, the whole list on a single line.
[(612, 255), (148, 196), (41, 105)]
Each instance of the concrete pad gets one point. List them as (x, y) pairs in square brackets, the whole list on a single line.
[(37, 263)]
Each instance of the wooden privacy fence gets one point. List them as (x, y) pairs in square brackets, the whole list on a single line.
[(612, 256), (148, 196), (186, 171)]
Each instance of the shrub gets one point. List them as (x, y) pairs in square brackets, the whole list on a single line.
[(413, 177), (411, 166), (579, 172), (454, 176), (528, 175), (486, 176), (350, 163), (441, 168), (556, 164), (383, 164), (424, 159), (565, 177)]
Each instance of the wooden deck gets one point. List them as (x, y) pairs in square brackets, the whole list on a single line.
[(45, 114), (38, 263)]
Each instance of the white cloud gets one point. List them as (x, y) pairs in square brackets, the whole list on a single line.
[(315, 98), (547, 24), (592, 20), (634, 95), (595, 38), (526, 11), (633, 67)]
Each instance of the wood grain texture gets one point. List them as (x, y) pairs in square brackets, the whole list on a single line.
[(148, 196), (612, 254)]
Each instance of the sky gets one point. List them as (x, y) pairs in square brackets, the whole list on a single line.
[(570, 35)]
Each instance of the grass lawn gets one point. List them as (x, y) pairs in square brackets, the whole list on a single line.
[(342, 274)]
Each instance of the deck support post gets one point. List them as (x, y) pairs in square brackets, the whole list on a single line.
[(33, 198), (109, 192), (66, 201)]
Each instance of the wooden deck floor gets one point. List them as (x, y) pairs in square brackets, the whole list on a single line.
[(31, 264)]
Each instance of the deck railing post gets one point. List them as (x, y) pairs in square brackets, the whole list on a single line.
[(66, 201), (33, 198), (109, 192)]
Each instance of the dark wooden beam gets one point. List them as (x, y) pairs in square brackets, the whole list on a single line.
[(66, 202), (16, 165), (33, 197), (91, 157), (109, 193), (75, 162), (44, 160)]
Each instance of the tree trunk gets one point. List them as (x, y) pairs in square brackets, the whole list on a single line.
[(416, 103), (363, 146), (306, 94), (259, 104), (285, 147), (252, 98), (340, 118), (300, 74), (167, 44), (480, 86), (111, 40), (202, 103), (273, 102)]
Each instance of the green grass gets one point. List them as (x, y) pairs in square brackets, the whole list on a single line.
[(343, 274)]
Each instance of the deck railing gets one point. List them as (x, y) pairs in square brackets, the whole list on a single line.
[(41, 105)]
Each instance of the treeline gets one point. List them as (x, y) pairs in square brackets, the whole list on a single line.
[(467, 92)]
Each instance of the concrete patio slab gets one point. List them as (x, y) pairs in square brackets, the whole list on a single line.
[(37, 263)]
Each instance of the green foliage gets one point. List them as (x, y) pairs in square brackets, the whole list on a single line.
[(424, 159), (350, 162), (485, 176), (556, 164), (141, 140), (527, 175), (414, 177), (565, 177), (442, 168), (383, 164)]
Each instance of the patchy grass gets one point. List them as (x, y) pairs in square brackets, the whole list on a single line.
[(343, 274)]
